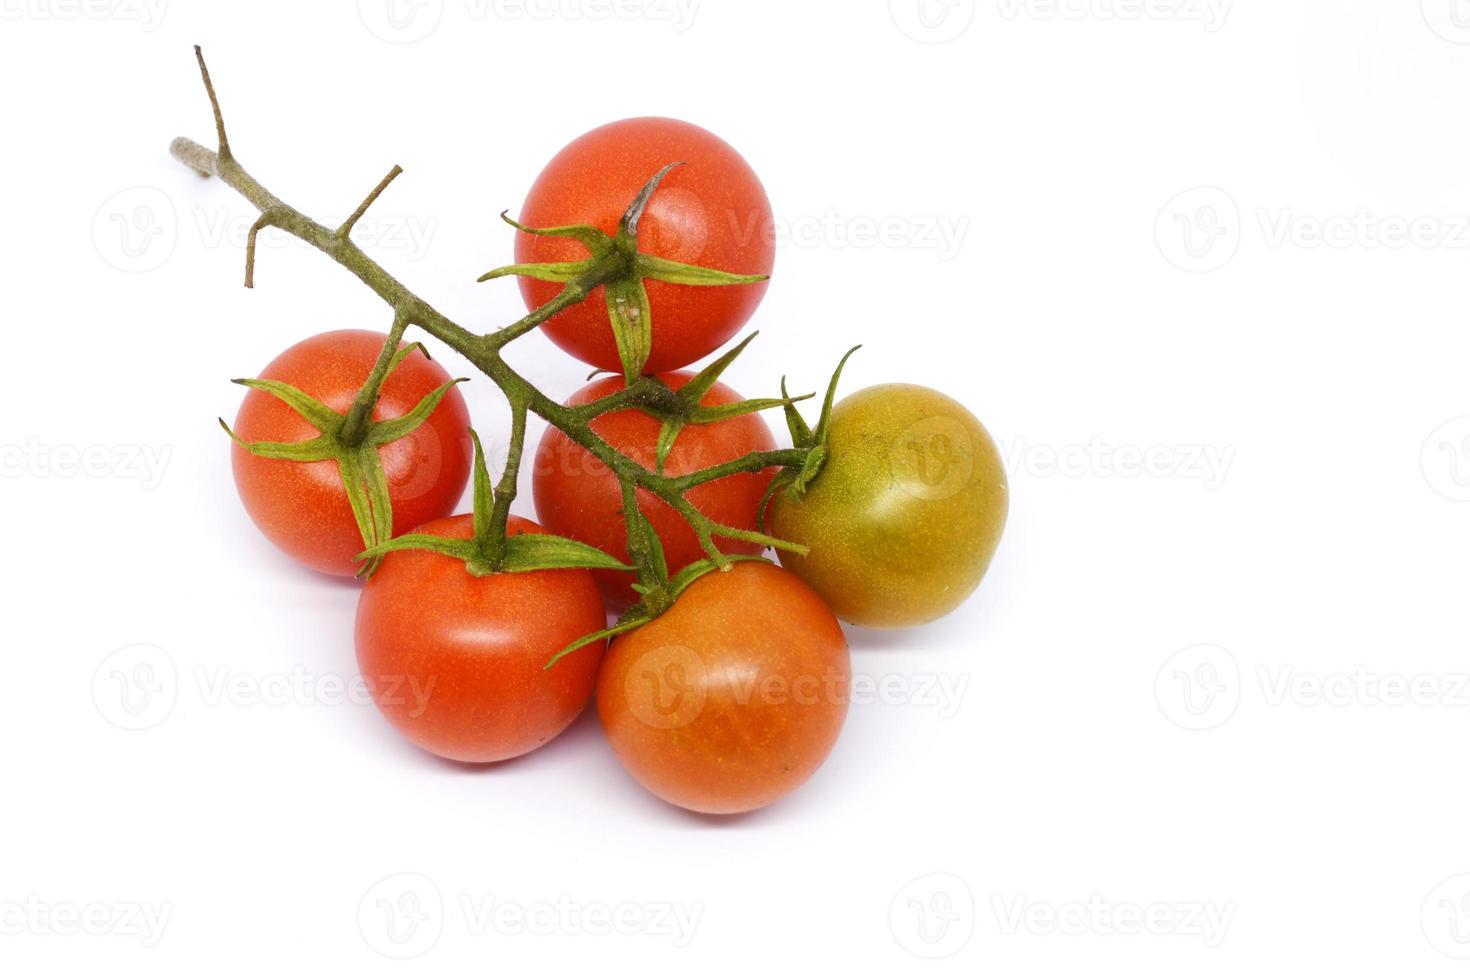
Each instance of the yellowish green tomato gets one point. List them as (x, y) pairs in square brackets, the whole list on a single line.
[(903, 519)]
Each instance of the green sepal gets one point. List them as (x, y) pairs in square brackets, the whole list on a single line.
[(391, 430), (323, 418), (617, 629), (402, 354), (705, 414), (543, 271), (698, 386), (694, 571), (825, 421), (595, 239), (683, 274), (539, 552), (779, 482), (523, 553), (632, 324), (461, 548), (484, 491), (637, 615), (367, 493), (312, 450), (651, 545), (801, 433), (814, 441), (692, 394), (667, 433), (815, 460)]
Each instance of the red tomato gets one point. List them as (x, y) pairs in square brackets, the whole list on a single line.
[(302, 507), (712, 212), (732, 698), (456, 662), (578, 497)]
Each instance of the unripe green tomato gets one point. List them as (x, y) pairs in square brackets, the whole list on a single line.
[(903, 519)]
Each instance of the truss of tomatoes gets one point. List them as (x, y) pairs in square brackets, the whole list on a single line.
[(732, 696)]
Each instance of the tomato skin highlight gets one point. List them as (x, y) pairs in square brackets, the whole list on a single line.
[(457, 662), (578, 497), (904, 518), (733, 697), (711, 212), (302, 507)]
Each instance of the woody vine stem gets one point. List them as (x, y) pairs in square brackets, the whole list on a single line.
[(484, 352)]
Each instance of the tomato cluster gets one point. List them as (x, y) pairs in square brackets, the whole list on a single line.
[(723, 683)]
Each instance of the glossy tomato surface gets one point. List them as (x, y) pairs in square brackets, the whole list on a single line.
[(302, 507), (578, 497), (905, 516), (711, 212), (733, 697), (456, 661)]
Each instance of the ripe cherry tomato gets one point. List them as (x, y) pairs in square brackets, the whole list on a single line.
[(733, 697), (905, 516), (456, 661), (711, 212), (578, 497), (302, 507)]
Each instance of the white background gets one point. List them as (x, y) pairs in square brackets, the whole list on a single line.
[(1173, 233)]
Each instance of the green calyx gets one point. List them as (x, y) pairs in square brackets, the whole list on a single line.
[(352, 439), (615, 263), (490, 550), (645, 612), (684, 407), (656, 590), (814, 441)]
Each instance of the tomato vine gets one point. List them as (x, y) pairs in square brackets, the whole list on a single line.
[(616, 264)]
